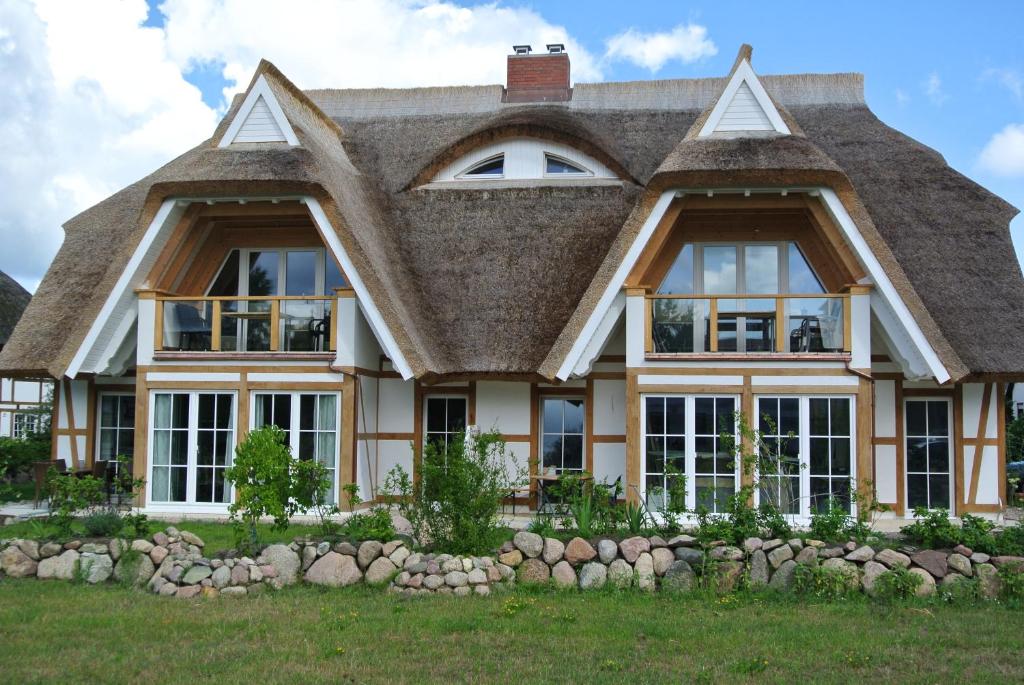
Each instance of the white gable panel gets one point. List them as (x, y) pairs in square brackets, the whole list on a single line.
[(744, 113), (260, 126)]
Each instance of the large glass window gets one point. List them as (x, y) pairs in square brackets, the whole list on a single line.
[(116, 427), (193, 440), (25, 424), (928, 449), (310, 422), (445, 419), (691, 437), (807, 458), (562, 434)]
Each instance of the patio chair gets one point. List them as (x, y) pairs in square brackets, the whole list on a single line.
[(40, 469)]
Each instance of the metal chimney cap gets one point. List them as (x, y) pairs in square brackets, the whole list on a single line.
[(556, 48), (522, 49)]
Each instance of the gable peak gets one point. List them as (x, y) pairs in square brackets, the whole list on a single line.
[(259, 119), (744, 106)]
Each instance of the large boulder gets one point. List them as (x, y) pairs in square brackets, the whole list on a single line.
[(727, 553), (593, 575), (960, 564), (30, 548), (632, 548), (891, 558), (17, 564), (759, 569), (643, 571), (989, 583), (192, 538), (381, 570), (285, 561), (861, 554), (563, 575), (872, 571), (530, 544), (553, 551), (333, 570), (607, 550), (97, 568), (512, 558), (620, 573), (221, 577), (663, 559), (693, 557), (848, 569), (926, 587), (679, 577), (579, 551), (779, 555), (932, 561), (727, 575), (533, 571), (196, 574), (368, 551), (782, 579), (134, 569)]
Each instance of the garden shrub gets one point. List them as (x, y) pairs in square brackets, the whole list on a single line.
[(830, 524), (70, 496), (932, 528), (896, 583), (821, 581), (456, 504), (103, 523), (1012, 581), (372, 524)]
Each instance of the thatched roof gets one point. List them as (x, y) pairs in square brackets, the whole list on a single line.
[(13, 300), (482, 280)]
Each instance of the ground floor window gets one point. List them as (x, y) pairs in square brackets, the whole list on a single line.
[(444, 418), (24, 425), (562, 420), (193, 440), (310, 423), (929, 476), (116, 427), (691, 437), (806, 453)]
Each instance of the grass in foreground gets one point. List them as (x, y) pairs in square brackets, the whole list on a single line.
[(53, 631)]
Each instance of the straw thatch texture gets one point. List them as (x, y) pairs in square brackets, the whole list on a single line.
[(13, 300)]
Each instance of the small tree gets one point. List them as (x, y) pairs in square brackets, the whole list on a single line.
[(262, 476)]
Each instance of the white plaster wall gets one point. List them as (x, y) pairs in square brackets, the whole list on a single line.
[(392, 453), (886, 473), (518, 461), (5, 424), (366, 422), (610, 462), (885, 409), (503, 405), (988, 478), (367, 349), (609, 407), (396, 405), (617, 342), (5, 389)]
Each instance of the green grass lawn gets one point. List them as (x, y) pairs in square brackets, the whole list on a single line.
[(53, 631)]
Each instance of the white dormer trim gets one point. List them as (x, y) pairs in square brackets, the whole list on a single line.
[(525, 159), (744, 75), (260, 93)]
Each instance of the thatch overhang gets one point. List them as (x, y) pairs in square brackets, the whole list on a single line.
[(13, 300)]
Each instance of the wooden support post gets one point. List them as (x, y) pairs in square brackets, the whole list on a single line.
[(335, 322), (713, 326), (781, 339), (847, 324), (158, 326), (275, 325), (215, 326)]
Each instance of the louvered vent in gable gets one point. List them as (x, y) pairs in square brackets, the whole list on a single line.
[(260, 126), (744, 113)]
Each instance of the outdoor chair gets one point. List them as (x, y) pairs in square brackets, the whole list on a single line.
[(40, 470)]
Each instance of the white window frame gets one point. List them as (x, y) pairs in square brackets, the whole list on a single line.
[(948, 401), (584, 173), (443, 396), (282, 268), (804, 438), (190, 503), (467, 173), (99, 420), (690, 449), (541, 432), (294, 430), (22, 432)]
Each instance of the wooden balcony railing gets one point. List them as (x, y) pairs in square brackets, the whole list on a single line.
[(245, 324), (795, 324)]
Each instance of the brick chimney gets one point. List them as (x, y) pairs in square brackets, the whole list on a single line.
[(538, 78)]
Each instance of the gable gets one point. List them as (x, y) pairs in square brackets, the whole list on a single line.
[(744, 113), (260, 126), (260, 119), (743, 107)]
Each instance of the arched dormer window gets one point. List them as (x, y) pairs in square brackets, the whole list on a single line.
[(524, 159)]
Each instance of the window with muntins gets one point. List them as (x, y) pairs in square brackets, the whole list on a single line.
[(445, 419), (116, 427), (310, 422), (928, 448), (524, 159), (25, 424), (562, 435)]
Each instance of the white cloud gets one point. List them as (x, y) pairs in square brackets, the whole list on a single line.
[(686, 43), (1010, 79), (93, 100), (933, 89), (1003, 155)]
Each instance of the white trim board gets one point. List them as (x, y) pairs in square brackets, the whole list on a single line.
[(744, 74), (260, 92)]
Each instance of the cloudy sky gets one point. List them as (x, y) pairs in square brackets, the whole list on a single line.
[(100, 93)]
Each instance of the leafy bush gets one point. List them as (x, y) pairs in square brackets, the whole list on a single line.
[(269, 482), (976, 533), (138, 524), (1012, 581), (831, 524), (932, 528), (773, 523), (69, 496), (634, 517), (1011, 541), (457, 502), (103, 523), (372, 524), (896, 583), (820, 581), (542, 525), (17, 456)]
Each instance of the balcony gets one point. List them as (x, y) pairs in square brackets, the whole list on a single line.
[(245, 325), (815, 325)]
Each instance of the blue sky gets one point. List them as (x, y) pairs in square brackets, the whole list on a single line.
[(111, 89)]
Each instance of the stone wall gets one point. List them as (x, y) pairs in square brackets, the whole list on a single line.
[(173, 563)]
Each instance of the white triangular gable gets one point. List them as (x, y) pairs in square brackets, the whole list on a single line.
[(260, 119), (743, 106)]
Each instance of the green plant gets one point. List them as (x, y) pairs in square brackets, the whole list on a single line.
[(102, 523), (820, 581), (1011, 541), (772, 522), (311, 483), (138, 524), (896, 583), (457, 502), (830, 524), (70, 496), (582, 510), (1011, 580), (372, 524), (931, 528), (635, 517), (543, 525), (977, 533)]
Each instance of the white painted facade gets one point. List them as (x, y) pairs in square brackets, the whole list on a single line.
[(24, 398)]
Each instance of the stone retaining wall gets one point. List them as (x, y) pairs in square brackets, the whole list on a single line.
[(172, 563)]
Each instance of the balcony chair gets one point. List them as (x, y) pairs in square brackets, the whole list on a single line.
[(194, 333)]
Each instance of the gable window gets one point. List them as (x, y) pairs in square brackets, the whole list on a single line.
[(929, 476), (784, 307), (116, 427), (689, 437), (445, 419), (192, 443), (310, 423), (25, 424), (554, 165), (561, 435), (493, 167), (809, 453)]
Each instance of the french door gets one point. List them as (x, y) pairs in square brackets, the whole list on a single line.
[(192, 440)]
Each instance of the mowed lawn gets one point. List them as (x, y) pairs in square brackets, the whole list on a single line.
[(56, 631)]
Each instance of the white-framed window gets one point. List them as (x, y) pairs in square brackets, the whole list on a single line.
[(192, 441), (929, 450), (811, 440), (115, 426), (683, 435), (522, 159), (444, 417), (311, 422), (24, 424), (561, 438)]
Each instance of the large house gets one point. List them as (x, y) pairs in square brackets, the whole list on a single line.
[(23, 401), (608, 273)]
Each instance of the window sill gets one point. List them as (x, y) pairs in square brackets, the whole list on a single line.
[(244, 356), (748, 356)]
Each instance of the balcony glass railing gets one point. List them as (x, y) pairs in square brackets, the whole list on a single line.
[(686, 324), (244, 324)]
